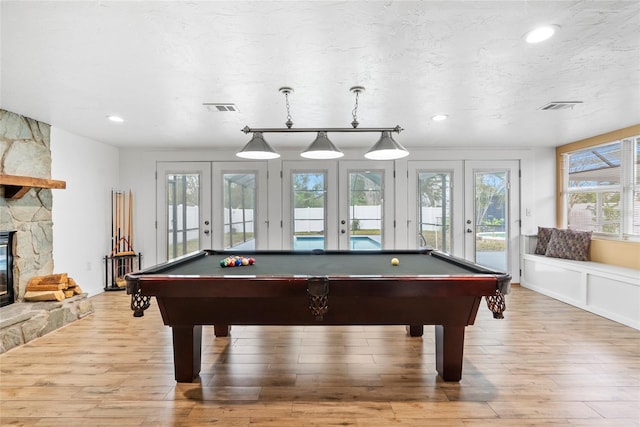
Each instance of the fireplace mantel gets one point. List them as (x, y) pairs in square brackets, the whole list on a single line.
[(17, 186)]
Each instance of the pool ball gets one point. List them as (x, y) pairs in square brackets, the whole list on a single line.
[(395, 261)]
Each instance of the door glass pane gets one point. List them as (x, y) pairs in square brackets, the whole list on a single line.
[(365, 210), (434, 195), (183, 216), (491, 217), (239, 210), (309, 210)]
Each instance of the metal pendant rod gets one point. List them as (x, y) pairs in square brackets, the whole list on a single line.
[(247, 129)]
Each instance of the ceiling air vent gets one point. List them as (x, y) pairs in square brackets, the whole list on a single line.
[(560, 105), (215, 107)]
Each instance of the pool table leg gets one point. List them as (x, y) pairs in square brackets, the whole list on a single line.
[(221, 330), (449, 349), (187, 345), (415, 330)]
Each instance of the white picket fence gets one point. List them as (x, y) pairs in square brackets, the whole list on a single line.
[(306, 219)]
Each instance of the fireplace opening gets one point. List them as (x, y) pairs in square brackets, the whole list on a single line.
[(7, 295)]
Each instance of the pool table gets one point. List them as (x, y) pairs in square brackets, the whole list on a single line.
[(427, 287)]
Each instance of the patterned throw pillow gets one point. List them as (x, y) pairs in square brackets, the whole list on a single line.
[(544, 235), (569, 244)]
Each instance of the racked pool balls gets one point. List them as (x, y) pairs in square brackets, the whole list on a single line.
[(236, 261)]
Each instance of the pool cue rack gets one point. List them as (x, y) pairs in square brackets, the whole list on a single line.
[(123, 259), (117, 267)]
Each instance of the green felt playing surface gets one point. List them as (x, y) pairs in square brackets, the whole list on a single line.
[(325, 264)]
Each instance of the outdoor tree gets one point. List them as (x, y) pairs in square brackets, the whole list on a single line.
[(308, 190), (490, 192)]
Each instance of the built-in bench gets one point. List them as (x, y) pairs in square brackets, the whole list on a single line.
[(607, 290)]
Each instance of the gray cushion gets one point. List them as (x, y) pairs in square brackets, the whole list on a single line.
[(544, 235), (569, 244)]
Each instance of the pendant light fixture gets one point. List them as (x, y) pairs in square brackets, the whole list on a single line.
[(322, 148), (386, 149), (258, 149)]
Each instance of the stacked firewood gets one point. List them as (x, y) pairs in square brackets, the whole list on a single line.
[(52, 287)]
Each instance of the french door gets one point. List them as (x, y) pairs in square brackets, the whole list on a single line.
[(436, 205), (467, 208), (492, 213), (366, 206), (337, 205), (309, 205), (183, 211), (204, 205)]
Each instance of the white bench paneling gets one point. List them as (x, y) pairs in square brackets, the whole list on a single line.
[(609, 291), (556, 281), (614, 299)]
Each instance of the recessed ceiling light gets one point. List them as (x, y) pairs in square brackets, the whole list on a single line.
[(115, 119), (540, 34), (439, 117)]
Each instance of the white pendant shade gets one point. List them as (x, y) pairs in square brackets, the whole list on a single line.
[(386, 149), (322, 148), (258, 149)]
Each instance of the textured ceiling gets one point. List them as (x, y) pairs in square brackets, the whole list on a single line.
[(155, 63)]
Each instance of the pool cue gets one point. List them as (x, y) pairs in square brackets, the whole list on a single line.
[(112, 225), (117, 222), (124, 224), (123, 246), (121, 228), (130, 226)]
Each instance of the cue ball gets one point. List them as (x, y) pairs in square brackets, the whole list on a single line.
[(395, 261)]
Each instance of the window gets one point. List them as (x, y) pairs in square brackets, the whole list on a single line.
[(602, 188)]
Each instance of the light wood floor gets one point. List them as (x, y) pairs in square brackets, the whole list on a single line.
[(546, 363)]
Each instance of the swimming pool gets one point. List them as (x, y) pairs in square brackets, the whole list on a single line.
[(498, 235), (303, 243)]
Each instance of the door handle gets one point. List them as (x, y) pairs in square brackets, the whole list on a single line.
[(206, 231), (469, 230)]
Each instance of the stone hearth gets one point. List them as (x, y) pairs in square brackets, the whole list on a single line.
[(22, 322)]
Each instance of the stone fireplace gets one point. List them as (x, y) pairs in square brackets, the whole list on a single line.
[(25, 151), (25, 210), (6, 268)]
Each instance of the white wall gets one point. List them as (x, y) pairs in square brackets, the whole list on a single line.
[(82, 212), (538, 192)]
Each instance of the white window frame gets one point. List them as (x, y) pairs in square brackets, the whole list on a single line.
[(626, 188)]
